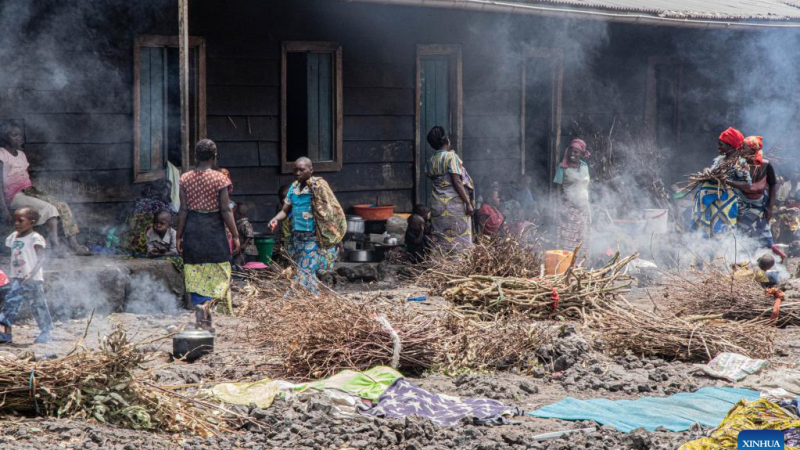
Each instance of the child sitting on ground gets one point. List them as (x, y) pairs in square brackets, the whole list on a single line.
[(763, 274), (27, 276), (248, 251), (161, 237), (416, 233)]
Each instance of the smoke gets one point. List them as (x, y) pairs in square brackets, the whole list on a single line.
[(150, 295)]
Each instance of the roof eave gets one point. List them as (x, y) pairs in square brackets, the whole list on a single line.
[(574, 13)]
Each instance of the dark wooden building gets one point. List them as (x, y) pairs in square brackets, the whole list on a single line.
[(355, 85)]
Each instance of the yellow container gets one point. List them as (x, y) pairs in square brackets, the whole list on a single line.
[(557, 262)]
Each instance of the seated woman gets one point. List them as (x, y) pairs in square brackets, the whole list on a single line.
[(490, 219), (18, 191)]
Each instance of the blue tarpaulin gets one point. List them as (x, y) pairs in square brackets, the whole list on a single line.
[(707, 406)]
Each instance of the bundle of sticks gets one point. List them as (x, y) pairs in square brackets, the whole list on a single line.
[(728, 296), (492, 256), (718, 175), (567, 295), (496, 345), (623, 329), (101, 385), (317, 336)]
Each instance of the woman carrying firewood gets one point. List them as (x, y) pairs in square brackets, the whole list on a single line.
[(572, 175), (318, 224), (716, 208), (201, 237), (757, 199)]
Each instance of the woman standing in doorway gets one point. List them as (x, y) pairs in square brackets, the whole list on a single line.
[(201, 237), (574, 226), (452, 197)]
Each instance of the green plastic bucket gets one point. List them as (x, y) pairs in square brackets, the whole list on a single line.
[(265, 246)]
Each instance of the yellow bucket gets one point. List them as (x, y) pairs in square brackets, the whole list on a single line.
[(557, 262)]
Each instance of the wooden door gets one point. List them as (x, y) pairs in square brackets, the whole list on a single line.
[(434, 109), (439, 102)]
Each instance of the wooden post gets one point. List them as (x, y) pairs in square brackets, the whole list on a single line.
[(183, 46)]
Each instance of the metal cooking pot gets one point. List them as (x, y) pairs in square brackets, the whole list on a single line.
[(355, 224), (360, 256), (192, 344)]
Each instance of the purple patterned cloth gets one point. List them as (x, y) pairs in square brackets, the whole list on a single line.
[(404, 398)]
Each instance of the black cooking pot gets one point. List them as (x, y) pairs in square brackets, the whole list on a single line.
[(192, 344)]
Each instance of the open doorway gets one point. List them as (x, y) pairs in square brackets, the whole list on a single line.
[(542, 81)]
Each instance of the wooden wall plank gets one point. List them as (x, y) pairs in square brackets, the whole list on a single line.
[(244, 72), (80, 156), (378, 102), (243, 100), (372, 75), (372, 128), (487, 127), (491, 102), (367, 177), (88, 186), (78, 128), (378, 151), (269, 153), (238, 154), (489, 149), (235, 128)]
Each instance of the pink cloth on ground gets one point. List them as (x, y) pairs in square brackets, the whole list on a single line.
[(15, 173)]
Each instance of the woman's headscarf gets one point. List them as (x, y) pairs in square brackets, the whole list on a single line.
[(437, 138), (757, 144), (579, 146), (732, 137)]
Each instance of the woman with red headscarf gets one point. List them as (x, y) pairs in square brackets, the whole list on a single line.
[(716, 209), (576, 217), (757, 198)]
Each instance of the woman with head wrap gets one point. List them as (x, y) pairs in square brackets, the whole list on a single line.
[(452, 195), (757, 198), (716, 209), (572, 174)]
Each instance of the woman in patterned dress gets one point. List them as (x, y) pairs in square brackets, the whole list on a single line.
[(574, 227), (318, 224), (452, 196), (201, 237)]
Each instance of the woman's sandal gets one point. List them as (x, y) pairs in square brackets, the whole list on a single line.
[(81, 250)]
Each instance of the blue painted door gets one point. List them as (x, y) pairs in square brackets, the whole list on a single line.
[(434, 109)]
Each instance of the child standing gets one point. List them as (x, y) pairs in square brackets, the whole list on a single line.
[(161, 237), (248, 252), (27, 277)]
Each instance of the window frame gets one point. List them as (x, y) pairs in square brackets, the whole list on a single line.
[(148, 40), (335, 49)]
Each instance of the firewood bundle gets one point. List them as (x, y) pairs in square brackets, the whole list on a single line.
[(568, 295), (729, 297), (624, 329), (100, 385)]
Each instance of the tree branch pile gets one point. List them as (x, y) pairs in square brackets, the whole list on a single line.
[(732, 298), (569, 295), (491, 256), (100, 385), (624, 329)]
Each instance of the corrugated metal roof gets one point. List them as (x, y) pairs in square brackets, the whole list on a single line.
[(691, 9), (704, 13)]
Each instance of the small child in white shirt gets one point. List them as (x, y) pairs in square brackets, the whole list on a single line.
[(161, 237), (27, 276)]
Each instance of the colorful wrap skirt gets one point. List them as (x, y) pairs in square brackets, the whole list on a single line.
[(207, 256), (310, 258), (716, 210), (751, 221)]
